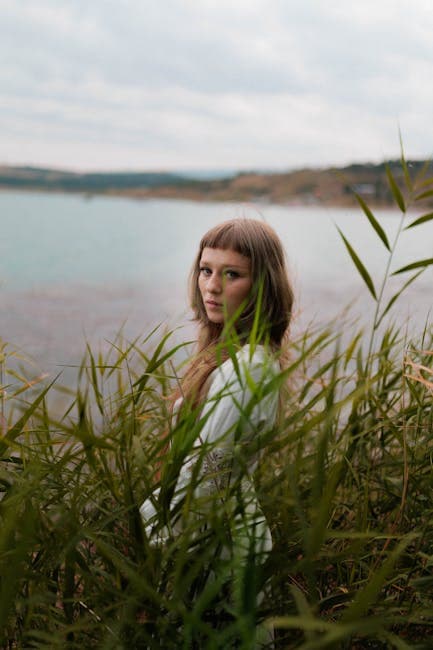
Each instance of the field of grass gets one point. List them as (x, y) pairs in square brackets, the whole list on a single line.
[(345, 481)]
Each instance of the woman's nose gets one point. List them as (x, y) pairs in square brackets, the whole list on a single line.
[(214, 283)]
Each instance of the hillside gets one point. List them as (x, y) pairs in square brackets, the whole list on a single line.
[(35, 178), (332, 186)]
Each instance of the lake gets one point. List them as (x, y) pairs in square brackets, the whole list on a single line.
[(74, 269)]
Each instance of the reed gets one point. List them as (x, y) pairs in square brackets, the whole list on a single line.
[(345, 482)]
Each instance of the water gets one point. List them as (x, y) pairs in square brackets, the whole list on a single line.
[(73, 269)]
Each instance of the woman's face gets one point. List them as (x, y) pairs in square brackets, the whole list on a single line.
[(224, 282)]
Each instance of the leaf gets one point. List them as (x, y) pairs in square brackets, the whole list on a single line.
[(415, 265), (372, 219), (94, 381), (350, 349), (427, 182), (395, 641), (328, 635), (123, 354), (318, 531), (154, 363), (405, 168), (18, 427), (303, 608), (368, 595), (398, 196), (424, 195), (360, 266), (420, 220), (396, 295)]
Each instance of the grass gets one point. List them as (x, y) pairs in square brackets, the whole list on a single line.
[(346, 483)]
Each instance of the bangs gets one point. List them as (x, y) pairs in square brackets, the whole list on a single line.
[(229, 235)]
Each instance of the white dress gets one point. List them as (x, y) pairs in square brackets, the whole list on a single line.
[(241, 404)]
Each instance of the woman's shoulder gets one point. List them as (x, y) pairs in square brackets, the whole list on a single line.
[(258, 353), (250, 355), (249, 362)]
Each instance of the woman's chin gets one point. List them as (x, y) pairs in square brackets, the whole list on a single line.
[(216, 321), (215, 318)]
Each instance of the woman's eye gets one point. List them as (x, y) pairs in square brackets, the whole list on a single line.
[(232, 274), (204, 270)]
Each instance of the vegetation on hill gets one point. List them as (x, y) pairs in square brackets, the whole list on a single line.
[(345, 482), (332, 186), (33, 178)]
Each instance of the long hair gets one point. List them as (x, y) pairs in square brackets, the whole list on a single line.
[(270, 301)]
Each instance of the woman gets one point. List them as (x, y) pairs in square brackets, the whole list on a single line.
[(227, 399)]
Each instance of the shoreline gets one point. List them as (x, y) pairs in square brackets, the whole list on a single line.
[(375, 184), (152, 194)]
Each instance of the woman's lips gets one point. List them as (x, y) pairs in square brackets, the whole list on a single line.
[(212, 304)]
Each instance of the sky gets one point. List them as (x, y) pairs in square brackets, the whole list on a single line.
[(214, 84)]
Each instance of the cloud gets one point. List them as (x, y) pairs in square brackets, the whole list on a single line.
[(206, 83)]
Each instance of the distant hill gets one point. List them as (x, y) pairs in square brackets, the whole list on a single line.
[(53, 179), (331, 186)]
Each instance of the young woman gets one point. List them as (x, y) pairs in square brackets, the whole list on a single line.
[(242, 302)]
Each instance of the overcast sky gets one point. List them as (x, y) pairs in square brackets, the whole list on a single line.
[(214, 84)]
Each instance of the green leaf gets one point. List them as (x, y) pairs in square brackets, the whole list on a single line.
[(317, 533), (350, 349), (18, 427), (420, 220), (415, 265), (372, 219), (360, 266), (405, 168), (328, 634), (123, 354), (94, 381), (395, 641), (155, 362), (424, 195), (427, 182), (303, 608), (368, 595), (396, 295), (398, 196)]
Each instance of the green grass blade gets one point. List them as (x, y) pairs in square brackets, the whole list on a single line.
[(122, 354), (367, 596), (398, 196), (360, 266), (396, 296), (18, 427), (424, 195), (154, 363), (373, 221), (420, 220), (421, 264), (94, 380), (303, 608), (396, 642), (350, 348), (404, 166)]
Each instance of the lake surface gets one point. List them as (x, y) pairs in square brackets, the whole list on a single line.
[(73, 269)]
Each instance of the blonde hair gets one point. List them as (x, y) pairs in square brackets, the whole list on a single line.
[(270, 302)]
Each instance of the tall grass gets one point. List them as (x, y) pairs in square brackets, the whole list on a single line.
[(345, 481)]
